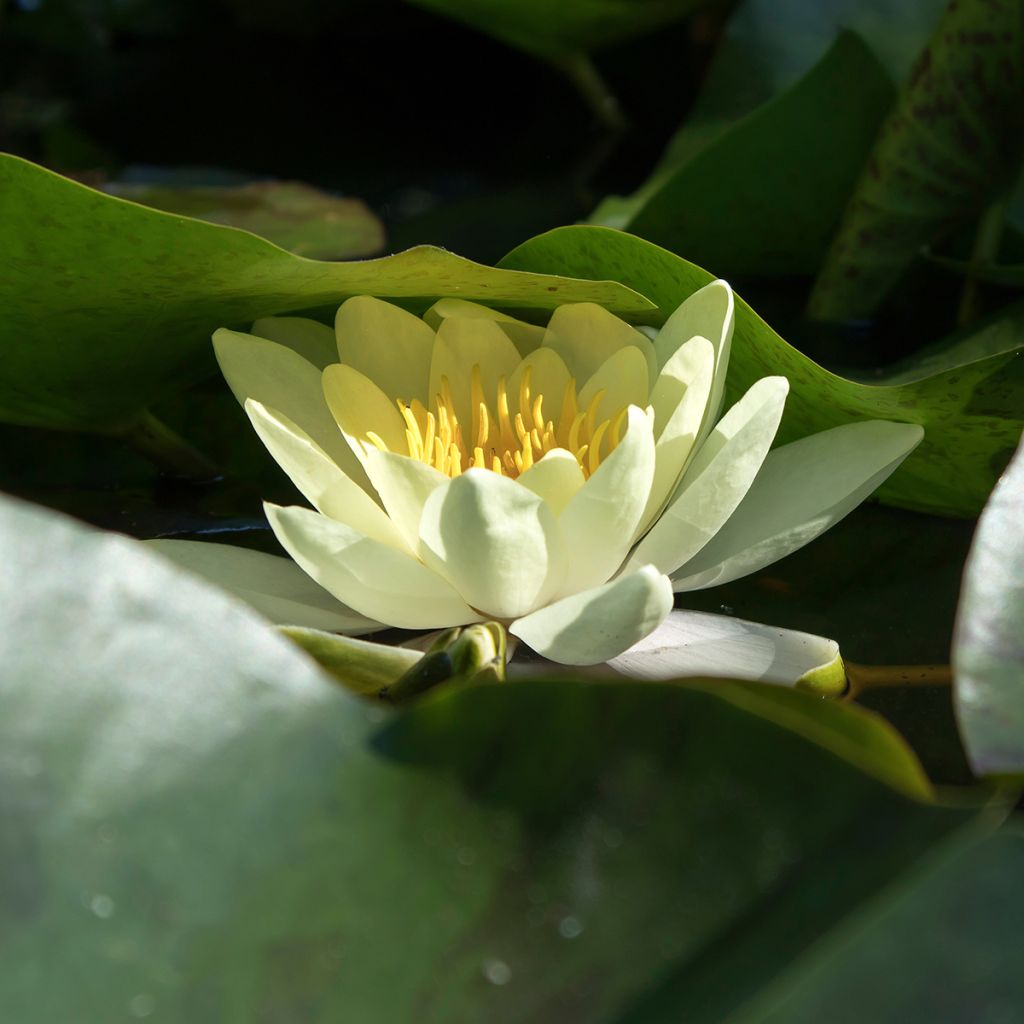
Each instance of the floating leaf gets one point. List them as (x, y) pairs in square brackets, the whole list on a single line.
[(951, 144), (764, 196), (970, 408), (109, 305), (988, 646), (297, 217), (200, 824)]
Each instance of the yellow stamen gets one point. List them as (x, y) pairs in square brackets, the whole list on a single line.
[(594, 455), (376, 440)]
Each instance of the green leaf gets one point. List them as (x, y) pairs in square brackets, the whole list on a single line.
[(951, 145), (200, 825), (304, 220), (109, 305), (988, 645), (804, 150), (548, 29), (970, 409), (1009, 274)]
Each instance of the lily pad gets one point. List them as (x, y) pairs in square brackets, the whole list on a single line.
[(200, 824), (951, 145), (109, 305), (764, 196), (302, 219), (988, 647), (970, 408)]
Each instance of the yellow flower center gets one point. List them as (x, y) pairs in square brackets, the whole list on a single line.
[(501, 440)]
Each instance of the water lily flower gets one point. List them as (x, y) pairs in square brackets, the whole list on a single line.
[(563, 480)]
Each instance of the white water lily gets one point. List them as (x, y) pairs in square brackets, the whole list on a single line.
[(563, 480)]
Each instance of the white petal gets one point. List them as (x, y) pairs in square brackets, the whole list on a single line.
[(556, 478), (585, 335), (387, 344), (376, 580), (281, 379), (707, 313), (526, 337), (359, 406), (692, 643), (597, 624), (404, 484), (495, 541), (462, 344), (319, 479), (276, 587), (598, 523), (719, 475), (679, 399), (623, 378), (311, 339), (802, 489)]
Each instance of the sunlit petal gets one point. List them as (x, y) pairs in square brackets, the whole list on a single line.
[(311, 339), (404, 485), (556, 479), (526, 337), (624, 379), (585, 335), (359, 406)]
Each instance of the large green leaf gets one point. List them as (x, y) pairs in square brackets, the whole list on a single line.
[(109, 305), (950, 146), (971, 411), (549, 29), (764, 197), (198, 825), (988, 647)]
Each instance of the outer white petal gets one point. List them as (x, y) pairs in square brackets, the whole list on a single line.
[(802, 489), (701, 644), (281, 379), (556, 479), (526, 337), (276, 587), (320, 479), (624, 379), (311, 339), (387, 344), (679, 399), (599, 521), (718, 477), (597, 624), (585, 335), (459, 346), (404, 484), (376, 580), (708, 313), (496, 542)]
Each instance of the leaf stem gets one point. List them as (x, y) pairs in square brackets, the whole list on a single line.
[(873, 677), (156, 441), (984, 252), (580, 70)]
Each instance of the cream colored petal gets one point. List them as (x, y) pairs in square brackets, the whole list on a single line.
[(802, 489), (462, 344), (276, 587), (623, 378), (709, 313), (376, 580), (598, 523), (679, 399), (548, 377), (320, 479), (719, 475), (585, 335), (387, 344), (281, 379), (404, 485), (359, 406), (597, 624), (556, 479), (526, 337), (495, 541), (311, 339), (701, 644)]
